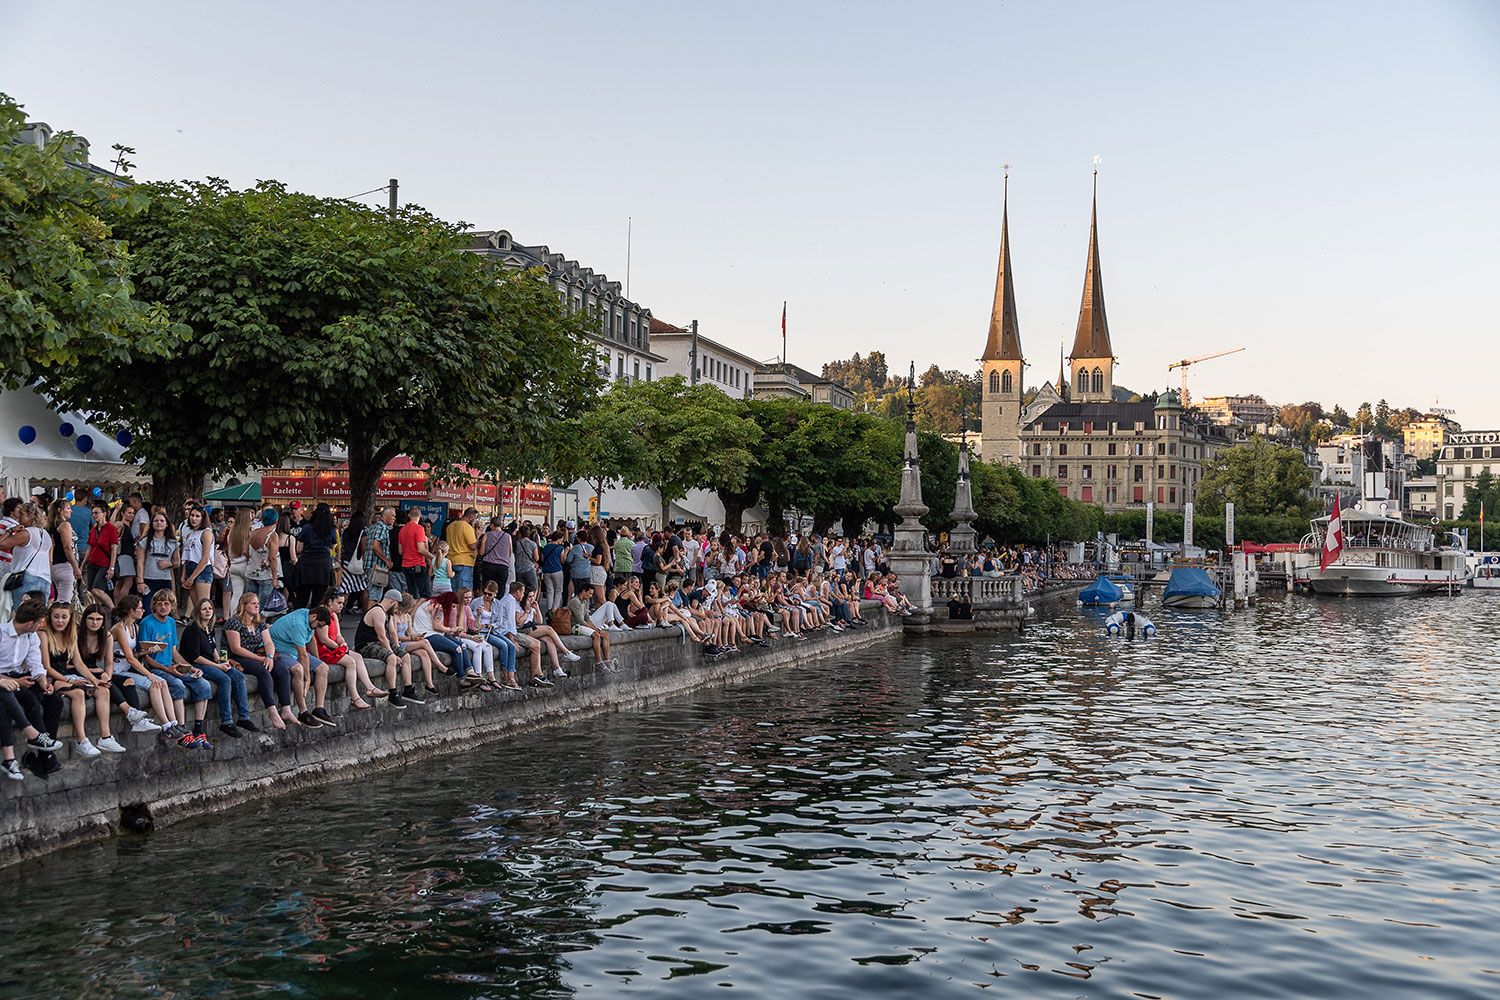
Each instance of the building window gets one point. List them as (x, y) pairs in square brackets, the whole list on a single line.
[(1036, 472), (994, 382), (1008, 386), (1088, 427), (1088, 472), (621, 370), (648, 373), (1098, 381), (1140, 449), (1088, 446), (1171, 472), (1161, 494), (1172, 495), (1112, 447), (1161, 472), (1036, 449), (1111, 495), (1087, 494), (1062, 472), (1139, 495), (1062, 449), (637, 374), (1062, 491), (1140, 473), (1114, 472), (1083, 382)]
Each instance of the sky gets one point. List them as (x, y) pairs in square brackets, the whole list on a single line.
[(1312, 182)]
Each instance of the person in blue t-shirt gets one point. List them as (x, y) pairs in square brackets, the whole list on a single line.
[(293, 636), (552, 572), (158, 640)]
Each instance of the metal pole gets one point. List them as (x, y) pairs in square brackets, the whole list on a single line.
[(693, 355), (393, 187)]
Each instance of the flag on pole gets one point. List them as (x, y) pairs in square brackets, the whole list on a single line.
[(1333, 538), (783, 331)]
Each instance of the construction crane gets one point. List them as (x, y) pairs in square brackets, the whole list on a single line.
[(1187, 363)]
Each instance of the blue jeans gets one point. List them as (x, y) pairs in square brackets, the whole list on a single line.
[(460, 655), (29, 583), (192, 689), (228, 683), (505, 650), (463, 578)]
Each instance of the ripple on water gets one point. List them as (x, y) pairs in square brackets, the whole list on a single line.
[(1295, 801)]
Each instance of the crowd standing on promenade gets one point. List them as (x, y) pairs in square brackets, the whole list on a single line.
[(126, 615)]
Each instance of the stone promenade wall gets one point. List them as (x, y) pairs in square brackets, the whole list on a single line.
[(85, 801)]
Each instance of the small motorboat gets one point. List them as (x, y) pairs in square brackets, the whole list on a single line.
[(1190, 587), (1120, 623), (1103, 592)]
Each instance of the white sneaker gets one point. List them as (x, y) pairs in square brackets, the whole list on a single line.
[(111, 744), (86, 749), (144, 725), (571, 656)]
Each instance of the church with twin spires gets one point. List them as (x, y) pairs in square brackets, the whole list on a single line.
[(1119, 454)]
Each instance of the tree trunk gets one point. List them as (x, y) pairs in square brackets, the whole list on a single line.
[(366, 462), (666, 508), (170, 489)]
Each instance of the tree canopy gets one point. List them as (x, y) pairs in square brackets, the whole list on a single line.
[(1259, 478), (65, 288), (310, 320)]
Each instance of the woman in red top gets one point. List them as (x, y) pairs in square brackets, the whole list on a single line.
[(99, 563), (332, 649)]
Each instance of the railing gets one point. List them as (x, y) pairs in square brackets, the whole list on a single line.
[(980, 591)]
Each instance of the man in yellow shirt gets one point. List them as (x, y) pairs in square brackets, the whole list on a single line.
[(462, 547)]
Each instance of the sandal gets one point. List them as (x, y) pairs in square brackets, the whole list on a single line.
[(360, 705)]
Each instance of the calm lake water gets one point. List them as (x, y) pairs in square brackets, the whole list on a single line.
[(1298, 801)]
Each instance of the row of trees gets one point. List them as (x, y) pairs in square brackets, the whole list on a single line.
[(228, 328), (816, 461)]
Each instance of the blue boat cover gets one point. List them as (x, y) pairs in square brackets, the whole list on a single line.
[(1101, 591), (1189, 581)]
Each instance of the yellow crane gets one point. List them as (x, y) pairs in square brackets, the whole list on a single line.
[(1187, 363)]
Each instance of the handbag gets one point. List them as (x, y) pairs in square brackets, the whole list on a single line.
[(13, 582), (275, 603), (379, 576), (562, 621), (355, 564)]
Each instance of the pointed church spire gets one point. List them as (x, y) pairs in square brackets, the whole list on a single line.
[(1092, 339), (1062, 373), (1004, 343)]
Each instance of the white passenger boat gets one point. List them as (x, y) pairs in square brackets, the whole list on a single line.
[(1382, 555)]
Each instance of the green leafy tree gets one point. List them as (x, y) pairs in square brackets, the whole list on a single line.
[(1259, 478), (1485, 490), (689, 437), (313, 320), (65, 288), (1338, 416)]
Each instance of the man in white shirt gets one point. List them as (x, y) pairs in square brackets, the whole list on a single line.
[(692, 549), (21, 673)]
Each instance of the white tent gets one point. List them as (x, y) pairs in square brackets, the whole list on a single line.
[(53, 459)]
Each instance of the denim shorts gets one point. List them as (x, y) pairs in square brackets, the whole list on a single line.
[(207, 576), (463, 578), (289, 660)]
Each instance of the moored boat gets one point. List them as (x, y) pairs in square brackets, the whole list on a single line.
[(1103, 592), (1190, 587)]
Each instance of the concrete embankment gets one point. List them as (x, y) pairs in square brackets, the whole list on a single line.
[(90, 800)]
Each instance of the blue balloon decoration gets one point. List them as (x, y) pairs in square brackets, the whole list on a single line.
[(68, 496), (28, 433), (124, 438), (98, 491), (85, 443), (66, 430)]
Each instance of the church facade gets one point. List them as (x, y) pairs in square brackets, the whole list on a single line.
[(1119, 454)]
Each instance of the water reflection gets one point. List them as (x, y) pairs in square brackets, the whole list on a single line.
[(1293, 801)]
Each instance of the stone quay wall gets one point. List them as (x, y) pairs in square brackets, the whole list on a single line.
[(90, 800)]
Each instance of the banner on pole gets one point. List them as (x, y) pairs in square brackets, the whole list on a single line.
[(1229, 525)]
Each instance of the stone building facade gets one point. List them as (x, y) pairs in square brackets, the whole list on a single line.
[(1465, 455), (622, 338)]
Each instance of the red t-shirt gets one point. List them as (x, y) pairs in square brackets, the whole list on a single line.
[(102, 539), (409, 538)]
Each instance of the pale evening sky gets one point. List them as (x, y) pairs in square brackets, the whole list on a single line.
[(1310, 181)]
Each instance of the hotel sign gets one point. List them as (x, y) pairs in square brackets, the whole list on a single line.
[(1475, 437)]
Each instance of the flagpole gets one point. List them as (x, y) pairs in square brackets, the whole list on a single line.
[(783, 334)]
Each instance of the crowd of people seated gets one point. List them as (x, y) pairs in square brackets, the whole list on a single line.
[(134, 623)]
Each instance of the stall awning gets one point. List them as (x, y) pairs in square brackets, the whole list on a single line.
[(244, 493)]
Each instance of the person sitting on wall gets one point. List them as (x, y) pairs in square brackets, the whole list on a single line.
[(581, 608)]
